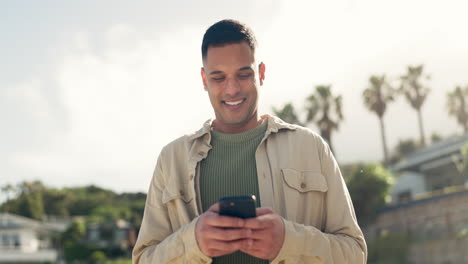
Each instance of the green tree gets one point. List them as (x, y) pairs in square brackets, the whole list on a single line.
[(435, 137), (415, 93), (389, 248), (406, 146), (461, 160), (76, 231), (8, 190), (369, 186), (376, 97), (324, 109), (93, 205), (98, 257), (72, 240), (403, 148), (457, 106), (31, 200), (56, 202), (288, 114)]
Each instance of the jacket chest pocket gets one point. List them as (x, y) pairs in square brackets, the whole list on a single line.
[(305, 196), (179, 201)]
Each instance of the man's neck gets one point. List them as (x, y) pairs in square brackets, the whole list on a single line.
[(237, 129)]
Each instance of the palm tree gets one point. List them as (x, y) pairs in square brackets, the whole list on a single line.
[(7, 190), (288, 114), (457, 105), (376, 97), (324, 110), (415, 92)]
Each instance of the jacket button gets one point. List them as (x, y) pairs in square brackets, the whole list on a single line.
[(303, 185), (181, 192), (191, 176), (201, 153)]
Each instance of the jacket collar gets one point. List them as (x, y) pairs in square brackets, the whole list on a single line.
[(275, 124)]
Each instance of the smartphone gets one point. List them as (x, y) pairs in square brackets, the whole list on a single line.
[(238, 206)]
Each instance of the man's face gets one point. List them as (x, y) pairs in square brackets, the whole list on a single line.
[(230, 78)]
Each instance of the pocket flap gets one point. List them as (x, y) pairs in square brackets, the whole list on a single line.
[(171, 192), (305, 181)]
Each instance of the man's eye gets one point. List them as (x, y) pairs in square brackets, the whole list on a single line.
[(218, 78), (245, 75)]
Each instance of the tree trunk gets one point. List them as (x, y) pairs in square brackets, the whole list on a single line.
[(384, 140), (421, 129), (326, 134)]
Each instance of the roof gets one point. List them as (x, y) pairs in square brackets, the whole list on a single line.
[(12, 221), (440, 152)]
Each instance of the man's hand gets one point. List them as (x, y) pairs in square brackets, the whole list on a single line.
[(267, 236), (219, 235)]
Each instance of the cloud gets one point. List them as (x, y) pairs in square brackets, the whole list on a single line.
[(110, 92), (28, 115), (114, 89), (121, 105)]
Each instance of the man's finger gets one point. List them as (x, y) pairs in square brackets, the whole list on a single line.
[(259, 222), (216, 220), (214, 208), (226, 246), (253, 248), (263, 211), (254, 223), (260, 234), (228, 234)]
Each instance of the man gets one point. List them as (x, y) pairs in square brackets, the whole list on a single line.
[(306, 214)]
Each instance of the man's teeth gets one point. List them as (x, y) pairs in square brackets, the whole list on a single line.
[(234, 103)]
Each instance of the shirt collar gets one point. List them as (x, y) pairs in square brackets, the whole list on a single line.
[(275, 124)]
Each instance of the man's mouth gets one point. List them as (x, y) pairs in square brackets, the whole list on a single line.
[(234, 103)]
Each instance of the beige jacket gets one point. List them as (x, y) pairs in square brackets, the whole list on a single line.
[(298, 178)]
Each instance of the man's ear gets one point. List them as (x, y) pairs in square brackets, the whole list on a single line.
[(203, 76), (261, 72)]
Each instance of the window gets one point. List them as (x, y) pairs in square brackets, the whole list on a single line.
[(4, 241), (16, 241), (404, 197)]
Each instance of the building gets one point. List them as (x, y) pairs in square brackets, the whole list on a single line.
[(24, 240), (428, 211), (116, 234), (429, 169)]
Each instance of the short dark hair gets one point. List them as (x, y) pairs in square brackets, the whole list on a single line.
[(227, 31)]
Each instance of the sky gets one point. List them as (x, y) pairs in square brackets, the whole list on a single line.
[(90, 91)]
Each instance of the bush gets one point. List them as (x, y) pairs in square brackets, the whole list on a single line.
[(388, 249), (369, 186), (97, 257)]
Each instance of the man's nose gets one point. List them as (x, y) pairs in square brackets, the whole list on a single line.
[(232, 87)]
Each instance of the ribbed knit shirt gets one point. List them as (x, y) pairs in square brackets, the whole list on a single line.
[(230, 170)]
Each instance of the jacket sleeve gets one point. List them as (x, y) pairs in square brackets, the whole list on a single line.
[(157, 243), (341, 241)]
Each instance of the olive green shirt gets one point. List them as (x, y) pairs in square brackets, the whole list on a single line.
[(230, 170)]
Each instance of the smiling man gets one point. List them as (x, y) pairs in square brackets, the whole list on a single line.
[(229, 76), (304, 214)]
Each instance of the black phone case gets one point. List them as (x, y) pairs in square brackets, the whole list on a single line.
[(237, 206)]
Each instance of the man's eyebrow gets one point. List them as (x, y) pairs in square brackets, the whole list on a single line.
[(246, 68), (215, 72)]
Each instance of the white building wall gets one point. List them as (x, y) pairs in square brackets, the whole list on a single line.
[(411, 182), (19, 239), (29, 241)]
